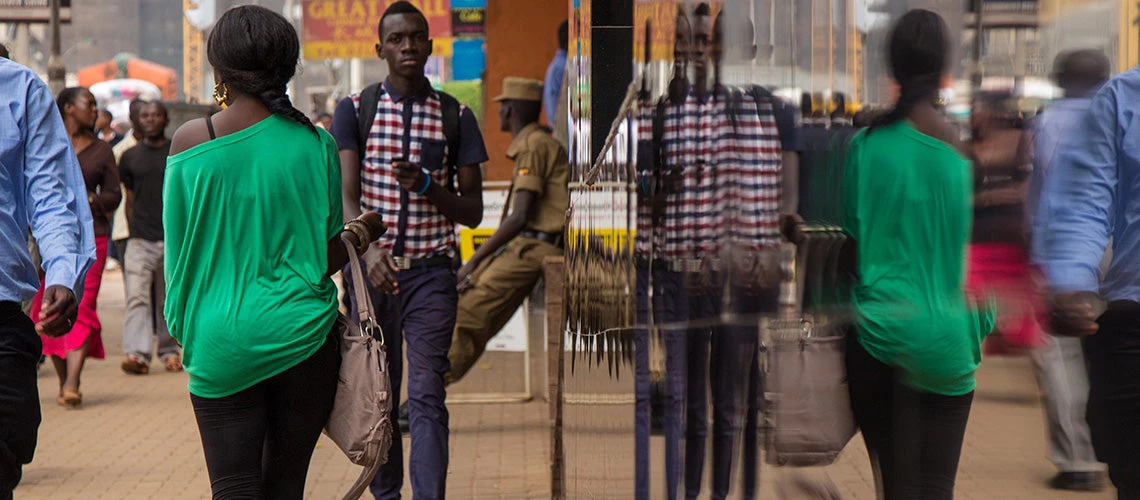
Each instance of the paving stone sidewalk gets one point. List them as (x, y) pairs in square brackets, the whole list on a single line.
[(135, 437)]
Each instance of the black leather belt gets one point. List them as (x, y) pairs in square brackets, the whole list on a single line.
[(552, 238), (690, 265), (433, 262)]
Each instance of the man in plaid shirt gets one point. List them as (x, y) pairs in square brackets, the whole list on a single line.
[(738, 202), (405, 173)]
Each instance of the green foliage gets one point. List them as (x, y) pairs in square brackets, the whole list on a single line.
[(470, 93)]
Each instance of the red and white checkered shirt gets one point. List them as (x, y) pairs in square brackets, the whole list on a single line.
[(672, 238), (727, 150), (429, 232), (753, 160)]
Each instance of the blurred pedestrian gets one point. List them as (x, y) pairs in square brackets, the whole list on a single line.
[(413, 154), (916, 343), (252, 224), (85, 340), (46, 193), (1089, 200), (142, 170), (554, 86), (120, 225), (1002, 149), (1060, 363), (324, 120), (104, 130), (108, 134), (503, 272)]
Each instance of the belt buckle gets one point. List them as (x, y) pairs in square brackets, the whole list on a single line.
[(691, 265), (403, 263), (676, 265)]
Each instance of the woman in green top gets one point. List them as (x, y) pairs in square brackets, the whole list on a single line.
[(912, 359), (252, 216)]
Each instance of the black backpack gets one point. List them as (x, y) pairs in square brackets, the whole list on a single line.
[(366, 115)]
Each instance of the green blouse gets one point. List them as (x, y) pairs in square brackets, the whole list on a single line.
[(909, 209), (248, 217)]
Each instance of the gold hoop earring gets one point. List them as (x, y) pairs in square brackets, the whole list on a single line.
[(221, 94)]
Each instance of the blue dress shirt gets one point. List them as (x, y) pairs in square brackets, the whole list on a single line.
[(1093, 192), (552, 88), (41, 187), (1064, 117)]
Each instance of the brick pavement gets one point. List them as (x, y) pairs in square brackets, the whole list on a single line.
[(135, 437)]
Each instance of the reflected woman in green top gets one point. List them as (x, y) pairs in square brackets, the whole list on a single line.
[(252, 217), (912, 358)]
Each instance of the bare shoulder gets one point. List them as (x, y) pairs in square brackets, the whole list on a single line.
[(190, 134)]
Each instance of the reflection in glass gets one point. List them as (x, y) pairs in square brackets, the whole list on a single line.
[(709, 228)]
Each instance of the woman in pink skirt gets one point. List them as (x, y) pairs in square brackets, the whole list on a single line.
[(97, 161), (999, 252)]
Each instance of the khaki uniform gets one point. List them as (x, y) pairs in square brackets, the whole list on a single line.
[(503, 281)]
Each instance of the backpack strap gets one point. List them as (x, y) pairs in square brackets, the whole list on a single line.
[(366, 115), (449, 108)]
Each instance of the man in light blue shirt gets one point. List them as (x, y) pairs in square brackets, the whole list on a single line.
[(1092, 194), (41, 187), (1060, 363), (556, 74)]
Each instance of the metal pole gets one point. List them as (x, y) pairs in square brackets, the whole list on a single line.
[(57, 73), (1136, 21), (22, 51), (976, 77)]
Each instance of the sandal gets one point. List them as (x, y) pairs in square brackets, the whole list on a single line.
[(173, 363), (69, 398), (135, 366)]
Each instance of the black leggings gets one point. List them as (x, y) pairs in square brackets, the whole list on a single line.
[(914, 438), (258, 442)]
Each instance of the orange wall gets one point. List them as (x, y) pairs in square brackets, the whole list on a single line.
[(521, 38)]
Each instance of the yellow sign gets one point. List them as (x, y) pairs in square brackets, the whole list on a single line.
[(344, 29), (471, 239), (660, 16)]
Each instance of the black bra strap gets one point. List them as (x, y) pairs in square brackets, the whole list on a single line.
[(210, 127)]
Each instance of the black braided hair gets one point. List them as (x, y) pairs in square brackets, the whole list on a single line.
[(255, 51), (919, 51)]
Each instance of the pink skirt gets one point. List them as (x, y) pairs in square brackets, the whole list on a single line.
[(1003, 270), (87, 329)]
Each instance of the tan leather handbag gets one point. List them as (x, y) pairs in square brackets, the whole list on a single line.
[(360, 422), (808, 417), (808, 409)]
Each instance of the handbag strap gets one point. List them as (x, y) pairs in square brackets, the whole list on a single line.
[(366, 316), (361, 485)]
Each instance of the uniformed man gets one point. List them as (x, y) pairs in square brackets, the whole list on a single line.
[(504, 270)]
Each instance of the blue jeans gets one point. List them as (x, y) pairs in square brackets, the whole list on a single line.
[(722, 359), (424, 315), (670, 304)]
